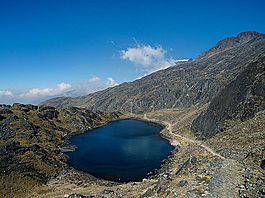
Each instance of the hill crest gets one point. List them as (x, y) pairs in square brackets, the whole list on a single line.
[(186, 84)]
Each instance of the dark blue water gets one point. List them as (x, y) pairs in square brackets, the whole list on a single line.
[(123, 151)]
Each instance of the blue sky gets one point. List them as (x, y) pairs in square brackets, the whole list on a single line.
[(63, 47)]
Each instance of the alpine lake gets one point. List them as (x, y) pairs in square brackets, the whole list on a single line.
[(122, 151)]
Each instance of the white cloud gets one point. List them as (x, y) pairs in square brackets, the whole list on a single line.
[(91, 86), (87, 87), (36, 92), (6, 93), (150, 58), (111, 82), (63, 87), (94, 79), (37, 95), (182, 60)]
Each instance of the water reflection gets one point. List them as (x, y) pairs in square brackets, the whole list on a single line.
[(120, 151)]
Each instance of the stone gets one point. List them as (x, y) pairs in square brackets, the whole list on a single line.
[(44, 107), (31, 107), (198, 177), (76, 196), (183, 183), (193, 160), (2, 117), (5, 132), (13, 145), (5, 111), (72, 109), (13, 119), (148, 193), (184, 165), (51, 113), (18, 106), (262, 164), (106, 191), (161, 185), (34, 147)]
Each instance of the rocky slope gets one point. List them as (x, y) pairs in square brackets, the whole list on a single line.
[(229, 43), (32, 140), (220, 96), (240, 99), (244, 142), (186, 84), (227, 165)]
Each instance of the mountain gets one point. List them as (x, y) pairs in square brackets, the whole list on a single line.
[(186, 84), (230, 42), (224, 86), (240, 99)]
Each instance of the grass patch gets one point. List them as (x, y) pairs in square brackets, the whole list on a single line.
[(198, 191), (205, 180)]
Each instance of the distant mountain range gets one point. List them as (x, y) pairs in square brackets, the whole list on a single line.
[(183, 85)]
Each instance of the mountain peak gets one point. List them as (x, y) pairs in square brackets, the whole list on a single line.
[(231, 42), (246, 36), (189, 83)]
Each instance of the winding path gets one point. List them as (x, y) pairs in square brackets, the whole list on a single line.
[(227, 178), (169, 128), (175, 142)]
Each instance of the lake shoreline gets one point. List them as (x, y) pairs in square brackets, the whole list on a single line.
[(165, 163)]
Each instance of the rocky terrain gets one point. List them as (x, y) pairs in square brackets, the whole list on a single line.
[(32, 142), (186, 84), (218, 167), (240, 99), (244, 142), (213, 111)]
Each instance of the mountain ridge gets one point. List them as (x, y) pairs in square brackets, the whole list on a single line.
[(191, 83), (230, 42)]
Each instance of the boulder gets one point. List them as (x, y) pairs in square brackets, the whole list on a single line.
[(13, 119), (191, 160), (31, 107), (51, 113), (2, 117), (5, 111), (183, 183), (148, 193), (44, 107), (5, 132), (72, 109), (161, 185), (262, 164), (18, 106), (75, 196)]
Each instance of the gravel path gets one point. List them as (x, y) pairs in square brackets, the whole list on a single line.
[(226, 181), (193, 141)]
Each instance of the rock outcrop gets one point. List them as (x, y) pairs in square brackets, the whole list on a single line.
[(240, 99)]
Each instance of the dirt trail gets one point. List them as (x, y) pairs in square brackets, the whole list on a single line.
[(226, 179), (193, 141), (176, 142)]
